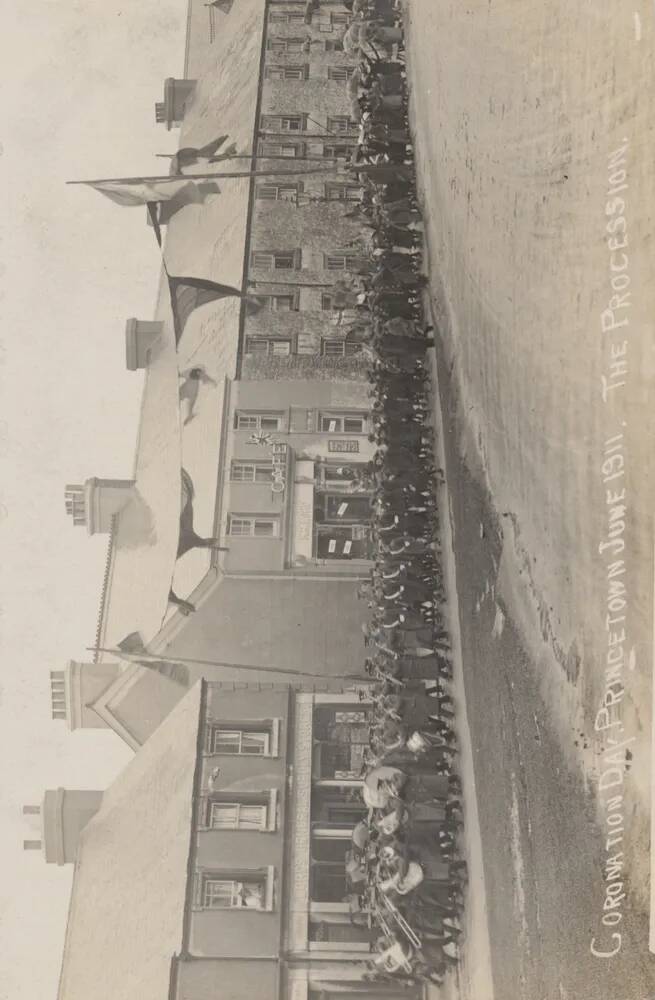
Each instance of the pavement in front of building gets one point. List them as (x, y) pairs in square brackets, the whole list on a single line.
[(473, 978)]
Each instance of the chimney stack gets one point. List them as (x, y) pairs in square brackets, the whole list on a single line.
[(140, 338), (95, 504), (177, 94), (62, 817)]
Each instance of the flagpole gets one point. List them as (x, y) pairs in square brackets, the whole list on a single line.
[(136, 656), (202, 177), (240, 156), (252, 156)]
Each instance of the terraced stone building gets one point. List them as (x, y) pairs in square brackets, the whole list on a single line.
[(280, 423)]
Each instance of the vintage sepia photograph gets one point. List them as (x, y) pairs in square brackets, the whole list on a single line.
[(327, 425)]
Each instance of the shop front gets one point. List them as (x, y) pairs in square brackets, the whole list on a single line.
[(331, 514), (328, 951)]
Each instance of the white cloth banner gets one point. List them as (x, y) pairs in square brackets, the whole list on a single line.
[(303, 519)]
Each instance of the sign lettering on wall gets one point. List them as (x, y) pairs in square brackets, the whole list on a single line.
[(279, 456), (341, 445)]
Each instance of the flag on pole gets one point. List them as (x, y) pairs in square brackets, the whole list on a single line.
[(133, 649), (160, 213), (188, 294), (132, 643), (189, 155), (227, 153), (153, 218), (140, 192)]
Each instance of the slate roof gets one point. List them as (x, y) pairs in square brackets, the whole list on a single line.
[(129, 885), (205, 241)]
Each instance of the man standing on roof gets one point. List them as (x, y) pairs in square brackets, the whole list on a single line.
[(191, 387)]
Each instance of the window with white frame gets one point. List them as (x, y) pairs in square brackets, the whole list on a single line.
[(281, 150), (237, 816), (252, 526), (332, 348), (286, 17), (334, 45), (247, 421), (278, 303), (341, 123), (343, 423), (236, 890), (340, 74), (274, 72), (284, 123), (251, 472), (339, 191), (259, 738), (256, 811), (339, 261), (337, 150), (287, 72), (286, 44), (278, 192), (273, 346), (340, 20), (276, 260), (239, 742), (221, 894)]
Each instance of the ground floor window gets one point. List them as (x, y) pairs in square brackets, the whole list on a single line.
[(340, 261), (339, 191), (328, 878), (337, 508), (341, 737), (333, 542), (333, 348), (278, 192), (338, 150), (330, 930), (337, 806)]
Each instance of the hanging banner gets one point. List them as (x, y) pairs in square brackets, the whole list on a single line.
[(303, 520)]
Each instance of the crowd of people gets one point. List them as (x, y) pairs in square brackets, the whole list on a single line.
[(406, 877)]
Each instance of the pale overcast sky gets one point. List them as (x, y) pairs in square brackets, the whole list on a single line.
[(80, 83)]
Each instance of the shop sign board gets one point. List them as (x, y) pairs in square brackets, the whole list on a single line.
[(343, 445)]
